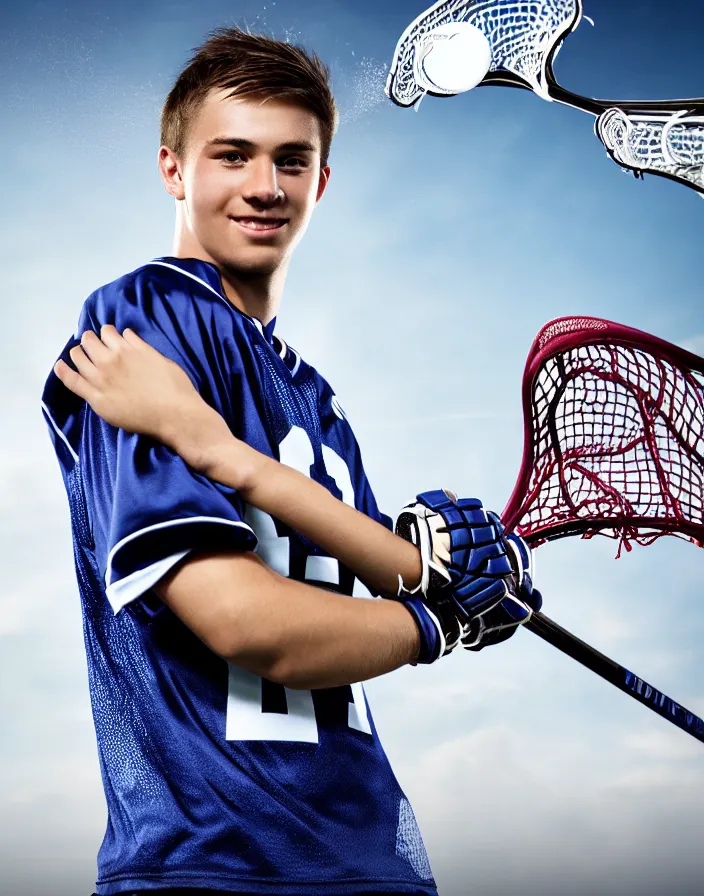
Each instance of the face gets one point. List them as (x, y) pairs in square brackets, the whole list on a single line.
[(249, 180)]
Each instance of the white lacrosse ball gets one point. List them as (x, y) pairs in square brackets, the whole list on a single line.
[(452, 58)]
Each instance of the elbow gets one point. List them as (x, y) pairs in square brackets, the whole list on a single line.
[(267, 662), (281, 672), (241, 620), (259, 658), (235, 634), (273, 668)]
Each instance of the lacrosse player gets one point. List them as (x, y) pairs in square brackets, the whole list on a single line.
[(222, 521)]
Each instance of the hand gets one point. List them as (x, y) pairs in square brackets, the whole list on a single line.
[(466, 570), (499, 623), (133, 386)]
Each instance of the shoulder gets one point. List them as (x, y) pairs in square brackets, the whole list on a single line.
[(170, 300), (178, 283), (177, 306)]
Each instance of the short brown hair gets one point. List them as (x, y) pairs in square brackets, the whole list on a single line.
[(252, 66)]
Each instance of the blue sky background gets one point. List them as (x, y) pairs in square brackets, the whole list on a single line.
[(448, 235)]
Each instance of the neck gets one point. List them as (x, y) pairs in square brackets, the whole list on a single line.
[(257, 294)]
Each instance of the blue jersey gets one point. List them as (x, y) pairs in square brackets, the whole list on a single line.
[(214, 777)]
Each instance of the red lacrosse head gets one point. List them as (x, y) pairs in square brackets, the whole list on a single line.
[(614, 436)]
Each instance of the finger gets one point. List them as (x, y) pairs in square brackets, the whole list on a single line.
[(84, 364), (111, 337), (93, 347), (133, 338), (74, 381)]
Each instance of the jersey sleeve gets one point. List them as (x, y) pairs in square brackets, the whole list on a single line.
[(146, 507)]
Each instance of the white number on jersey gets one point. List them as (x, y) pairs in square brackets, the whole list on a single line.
[(246, 719)]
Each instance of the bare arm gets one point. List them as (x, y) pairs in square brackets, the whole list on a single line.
[(371, 551), (284, 630)]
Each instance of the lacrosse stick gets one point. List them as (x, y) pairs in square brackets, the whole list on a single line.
[(613, 445), (665, 138)]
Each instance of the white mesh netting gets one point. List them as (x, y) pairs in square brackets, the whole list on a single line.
[(521, 33), (671, 143)]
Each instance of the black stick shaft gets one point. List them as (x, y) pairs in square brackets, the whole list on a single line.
[(617, 675)]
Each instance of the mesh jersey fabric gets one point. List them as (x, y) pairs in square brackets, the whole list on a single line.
[(214, 777)]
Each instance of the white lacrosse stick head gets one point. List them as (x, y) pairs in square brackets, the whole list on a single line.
[(523, 39)]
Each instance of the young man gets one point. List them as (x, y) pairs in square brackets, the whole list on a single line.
[(236, 746)]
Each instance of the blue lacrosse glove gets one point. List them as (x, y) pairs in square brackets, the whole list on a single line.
[(500, 622), (465, 567)]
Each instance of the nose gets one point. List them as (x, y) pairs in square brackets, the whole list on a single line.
[(262, 185)]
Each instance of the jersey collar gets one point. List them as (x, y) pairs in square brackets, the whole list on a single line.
[(209, 273)]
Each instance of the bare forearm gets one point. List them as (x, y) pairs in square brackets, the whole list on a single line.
[(288, 631), (374, 554), (333, 640), (371, 551)]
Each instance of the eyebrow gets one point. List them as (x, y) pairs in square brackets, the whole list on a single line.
[(240, 142)]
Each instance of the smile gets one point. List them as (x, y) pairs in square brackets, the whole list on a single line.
[(260, 225)]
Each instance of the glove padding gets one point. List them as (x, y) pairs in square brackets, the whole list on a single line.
[(465, 548), (438, 626), (465, 567), (499, 623)]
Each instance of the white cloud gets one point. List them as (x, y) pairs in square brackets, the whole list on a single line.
[(502, 813)]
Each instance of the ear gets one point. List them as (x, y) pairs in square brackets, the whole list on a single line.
[(323, 178), (171, 172)]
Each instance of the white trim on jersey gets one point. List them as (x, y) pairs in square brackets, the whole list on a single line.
[(133, 586), (164, 264), (298, 362), (253, 320), (58, 431), (172, 267)]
